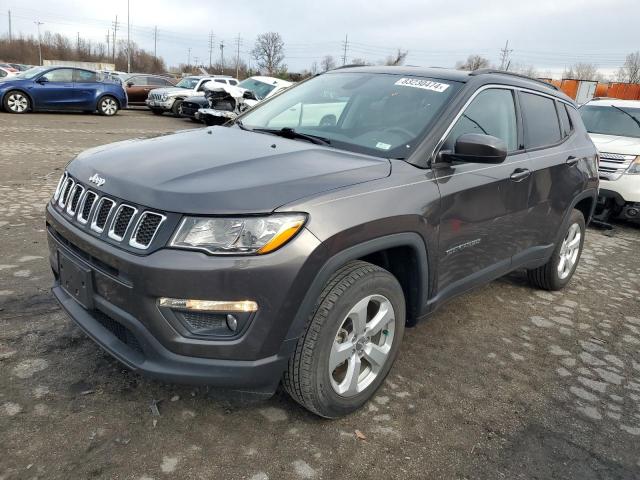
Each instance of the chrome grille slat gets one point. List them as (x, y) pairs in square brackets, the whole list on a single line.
[(66, 191), (146, 229), (74, 199), (121, 221), (87, 205), (61, 182), (101, 215)]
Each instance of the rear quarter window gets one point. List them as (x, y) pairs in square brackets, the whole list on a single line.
[(565, 119), (542, 127)]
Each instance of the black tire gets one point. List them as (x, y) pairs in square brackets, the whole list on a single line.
[(157, 111), (175, 109), (16, 101), (547, 277), (194, 120), (307, 378), (108, 106)]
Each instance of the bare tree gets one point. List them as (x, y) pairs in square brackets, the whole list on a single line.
[(268, 52), (398, 58), (583, 71), (327, 63), (630, 71), (360, 61), (526, 70), (473, 62)]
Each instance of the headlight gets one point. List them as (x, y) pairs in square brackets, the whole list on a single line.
[(634, 168), (246, 235)]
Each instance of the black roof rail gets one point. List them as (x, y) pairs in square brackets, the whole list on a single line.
[(351, 65), (484, 71)]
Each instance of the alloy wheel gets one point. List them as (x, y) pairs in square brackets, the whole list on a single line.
[(17, 102), (362, 345), (569, 251), (109, 106)]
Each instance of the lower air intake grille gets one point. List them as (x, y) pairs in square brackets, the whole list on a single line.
[(121, 332)]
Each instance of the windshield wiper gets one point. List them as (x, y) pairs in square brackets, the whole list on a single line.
[(241, 125), (288, 132), (628, 114)]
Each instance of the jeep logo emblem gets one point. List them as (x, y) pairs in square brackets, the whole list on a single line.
[(97, 179)]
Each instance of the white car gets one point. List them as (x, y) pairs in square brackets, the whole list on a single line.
[(614, 127), (7, 73), (169, 99)]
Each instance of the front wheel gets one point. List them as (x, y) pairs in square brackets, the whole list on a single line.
[(556, 273), (176, 109), (108, 106), (16, 102), (350, 343)]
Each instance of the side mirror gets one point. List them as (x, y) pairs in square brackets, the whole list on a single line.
[(129, 84), (477, 148), (42, 80)]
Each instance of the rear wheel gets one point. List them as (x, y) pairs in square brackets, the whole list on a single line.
[(108, 106), (16, 102), (557, 272), (350, 343)]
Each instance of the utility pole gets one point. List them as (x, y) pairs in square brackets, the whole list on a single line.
[(38, 23), (128, 40), (108, 43), (189, 58), (155, 43), (195, 61), (78, 42), (346, 46), (211, 37), (10, 37), (504, 55), (222, 56), (115, 31), (238, 42)]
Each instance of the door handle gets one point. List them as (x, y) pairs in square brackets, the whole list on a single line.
[(571, 160), (520, 174)]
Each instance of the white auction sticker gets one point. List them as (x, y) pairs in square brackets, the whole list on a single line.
[(383, 146), (424, 84)]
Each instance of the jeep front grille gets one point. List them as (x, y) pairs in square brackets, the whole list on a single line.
[(107, 217)]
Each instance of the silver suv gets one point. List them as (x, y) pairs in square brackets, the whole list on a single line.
[(170, 99)]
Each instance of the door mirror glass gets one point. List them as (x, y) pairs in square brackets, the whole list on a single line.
[(42, 80), (478, 148), (129, 84)]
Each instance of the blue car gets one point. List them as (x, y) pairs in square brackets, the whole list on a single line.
[(61, 88)]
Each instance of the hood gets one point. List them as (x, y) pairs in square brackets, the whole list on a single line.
[(171, 91), (222, 170), (616, 144)]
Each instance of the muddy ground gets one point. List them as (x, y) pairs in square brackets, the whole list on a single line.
[(505, 382)]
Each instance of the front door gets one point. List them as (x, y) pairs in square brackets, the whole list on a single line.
[(85, 85), (54, 90), (482, 205)]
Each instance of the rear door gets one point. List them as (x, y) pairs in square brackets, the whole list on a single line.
[(85, 84), (56, 92), (554, 151), (483, 205)]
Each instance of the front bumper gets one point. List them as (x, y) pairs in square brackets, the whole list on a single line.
[(159, 104), (627, 187), (126, 321)]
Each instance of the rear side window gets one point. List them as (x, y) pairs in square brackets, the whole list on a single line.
[(157, 81), (540, 120), (84, 76), (492, 112), (565, 120), (220, 81)]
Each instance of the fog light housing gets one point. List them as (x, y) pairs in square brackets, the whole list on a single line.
[(208, 318)]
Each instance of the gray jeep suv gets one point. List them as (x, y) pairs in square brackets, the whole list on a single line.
[(296, 244)]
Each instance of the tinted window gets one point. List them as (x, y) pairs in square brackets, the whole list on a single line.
[(84, 76), (611, 120), (565, 120), (233, 82), (220, 80), (492, 112), (260, 89), (60, 75), (541, 120), (157, 81)]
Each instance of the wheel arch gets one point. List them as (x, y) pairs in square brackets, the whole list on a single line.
[(403, 254), (108, 94)]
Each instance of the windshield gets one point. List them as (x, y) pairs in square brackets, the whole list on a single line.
[(32, 72), (610, 120), (379, 114), (260, 89), (189, 82)]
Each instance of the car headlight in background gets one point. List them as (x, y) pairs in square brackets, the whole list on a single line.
[(634, 168), (242, 235)]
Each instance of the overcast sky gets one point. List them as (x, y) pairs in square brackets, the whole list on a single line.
[(548, 34)]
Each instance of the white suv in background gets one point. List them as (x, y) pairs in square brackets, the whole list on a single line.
[(169, 99), (614, 127)]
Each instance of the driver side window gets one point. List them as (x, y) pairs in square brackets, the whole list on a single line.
[(493, 113), (62, 75)]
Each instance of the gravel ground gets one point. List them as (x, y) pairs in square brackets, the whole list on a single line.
[(504, 382)]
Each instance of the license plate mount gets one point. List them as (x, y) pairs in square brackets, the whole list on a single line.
[(76, 280)]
